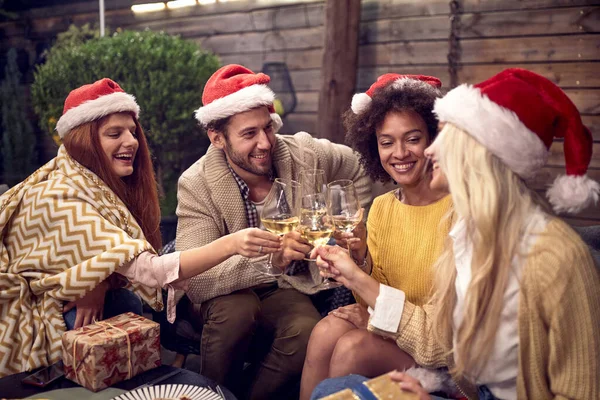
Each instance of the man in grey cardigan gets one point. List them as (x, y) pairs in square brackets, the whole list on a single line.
[(219, 194)]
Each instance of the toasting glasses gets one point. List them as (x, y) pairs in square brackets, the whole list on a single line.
[(315, 225), (279, 216)]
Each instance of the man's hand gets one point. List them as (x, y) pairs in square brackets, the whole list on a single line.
[(90, 306), (294, 247)]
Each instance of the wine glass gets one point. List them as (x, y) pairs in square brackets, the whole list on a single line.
[(279, 216), (315, 223), (343, 205), (313, 207), (312, 181)]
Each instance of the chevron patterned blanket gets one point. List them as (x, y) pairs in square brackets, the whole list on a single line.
[(62, 231)]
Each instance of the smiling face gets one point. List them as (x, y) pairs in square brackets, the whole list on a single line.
[(248, 142), (119, 142), (401, 141), (438, 179)]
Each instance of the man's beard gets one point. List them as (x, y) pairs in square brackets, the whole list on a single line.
[(246, 164)]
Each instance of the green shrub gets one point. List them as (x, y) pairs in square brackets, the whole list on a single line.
[(165, 73), (18, 139)]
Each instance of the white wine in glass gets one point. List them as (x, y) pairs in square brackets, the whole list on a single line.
[(279, 216), (316, 227), (343, 205), (280, 224), (315, 224)]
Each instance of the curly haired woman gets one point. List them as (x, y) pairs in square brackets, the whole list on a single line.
[(389, 126)]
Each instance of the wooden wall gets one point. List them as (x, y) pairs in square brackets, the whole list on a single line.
[(559, 39)]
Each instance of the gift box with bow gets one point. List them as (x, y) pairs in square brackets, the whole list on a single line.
[(99, 355)]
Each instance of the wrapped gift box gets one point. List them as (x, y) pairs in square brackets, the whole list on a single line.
[(106, 352), (380, 388)]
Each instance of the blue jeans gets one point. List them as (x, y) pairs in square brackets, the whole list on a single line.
[(116, 301), (334, 385)]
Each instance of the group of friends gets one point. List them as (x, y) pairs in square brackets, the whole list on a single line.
[(465, 278)]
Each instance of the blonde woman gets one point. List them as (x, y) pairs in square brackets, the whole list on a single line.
[(516, 305)]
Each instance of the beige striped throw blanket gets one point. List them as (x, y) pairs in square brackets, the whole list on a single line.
[(62, 231)]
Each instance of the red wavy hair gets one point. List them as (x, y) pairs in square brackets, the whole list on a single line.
[(138, 191)]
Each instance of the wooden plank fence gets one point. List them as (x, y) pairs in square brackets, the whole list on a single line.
[(559, 39)]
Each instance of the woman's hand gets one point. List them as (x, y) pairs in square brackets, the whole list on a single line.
[(356, 314), (409, 384), (254, 242), (334, 262), (355, 241), (90, 306)]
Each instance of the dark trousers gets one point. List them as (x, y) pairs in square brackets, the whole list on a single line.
[(266, 326)]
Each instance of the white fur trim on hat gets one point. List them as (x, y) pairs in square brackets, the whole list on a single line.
[(404, 83), (497, 128), (243, 100), (571, 193), (360, 103), (277, 122), (432, 380), (92, 110)]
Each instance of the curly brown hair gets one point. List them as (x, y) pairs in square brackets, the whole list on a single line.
[(412, 95)]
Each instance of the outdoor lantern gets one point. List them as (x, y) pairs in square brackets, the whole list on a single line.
[(281, 84)]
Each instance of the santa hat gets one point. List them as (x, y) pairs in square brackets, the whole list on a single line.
[(362, 101), (234, 89), (516, 115), (91, 102)]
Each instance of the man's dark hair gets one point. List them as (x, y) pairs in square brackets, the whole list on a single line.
[(219, 125), (413, 95)]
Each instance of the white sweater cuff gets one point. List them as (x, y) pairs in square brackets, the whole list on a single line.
[(388, 309)]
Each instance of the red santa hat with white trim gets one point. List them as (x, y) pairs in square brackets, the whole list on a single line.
[(516, 115), (362, 101), (94, 101), (234, 89)]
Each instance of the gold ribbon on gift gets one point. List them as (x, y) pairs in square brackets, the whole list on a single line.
[(104, 327)]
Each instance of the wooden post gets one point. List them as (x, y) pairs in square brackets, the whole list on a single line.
[(340, 58)]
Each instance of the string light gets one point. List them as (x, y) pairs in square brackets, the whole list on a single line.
[(171, 5), (147, 7)]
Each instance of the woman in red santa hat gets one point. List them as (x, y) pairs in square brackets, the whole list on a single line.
[(389, 126), (87, 222), (516, 305)]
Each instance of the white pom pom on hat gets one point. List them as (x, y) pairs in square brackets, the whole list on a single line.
[(516, 115)]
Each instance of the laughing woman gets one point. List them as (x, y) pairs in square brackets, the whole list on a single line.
[(85, 225), (516, 308)]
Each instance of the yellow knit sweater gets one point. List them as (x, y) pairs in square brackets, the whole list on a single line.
[(559, 322), (404, 241)]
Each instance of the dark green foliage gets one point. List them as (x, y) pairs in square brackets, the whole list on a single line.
[(18, 139), (165, 73)]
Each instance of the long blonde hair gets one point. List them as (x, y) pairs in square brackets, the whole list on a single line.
[(494, 203)]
